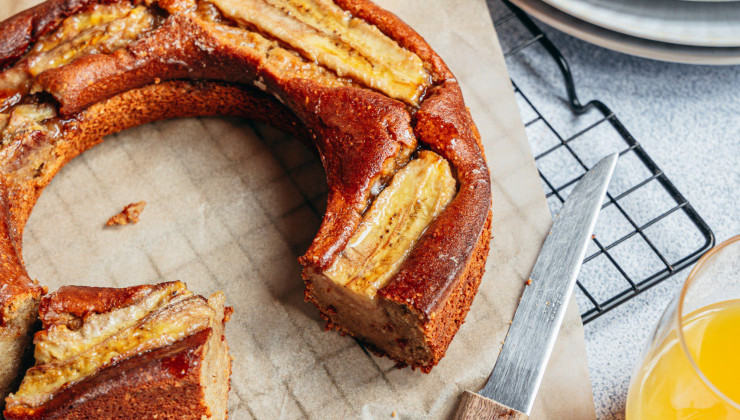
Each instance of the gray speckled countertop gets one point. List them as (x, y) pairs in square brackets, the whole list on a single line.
[(688, 120)]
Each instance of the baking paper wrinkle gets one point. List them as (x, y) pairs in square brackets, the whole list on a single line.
[(229, 210)]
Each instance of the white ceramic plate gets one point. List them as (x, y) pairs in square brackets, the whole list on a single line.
[(697, 23), (625, 43)]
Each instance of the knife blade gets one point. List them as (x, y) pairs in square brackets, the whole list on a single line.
[(512, 387)]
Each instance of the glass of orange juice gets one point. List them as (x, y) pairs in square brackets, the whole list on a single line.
[(691, 368)]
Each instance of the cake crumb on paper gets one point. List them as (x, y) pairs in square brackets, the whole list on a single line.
[(129, 214)]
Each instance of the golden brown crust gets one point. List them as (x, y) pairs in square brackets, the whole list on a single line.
[(180, 49), (359, 135), (442, 327), (15, 285), (81, 301)]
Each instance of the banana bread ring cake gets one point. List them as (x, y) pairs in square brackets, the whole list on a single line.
[(403, 243)]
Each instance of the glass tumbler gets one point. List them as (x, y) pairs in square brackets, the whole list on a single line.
[(691, 367)]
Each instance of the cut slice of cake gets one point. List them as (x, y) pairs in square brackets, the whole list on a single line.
[(347, 292), (127, 353)]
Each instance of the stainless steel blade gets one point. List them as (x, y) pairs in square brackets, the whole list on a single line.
[(518, 372)]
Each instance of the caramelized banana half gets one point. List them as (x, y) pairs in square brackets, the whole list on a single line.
[(324, 33), (392, 225)]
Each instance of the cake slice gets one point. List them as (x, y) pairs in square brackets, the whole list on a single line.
[(347, 291), (153, 351)]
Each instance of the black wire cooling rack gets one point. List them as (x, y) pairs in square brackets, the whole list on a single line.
[(647, 230)]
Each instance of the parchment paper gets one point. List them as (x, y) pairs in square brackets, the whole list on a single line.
[(232, 204)]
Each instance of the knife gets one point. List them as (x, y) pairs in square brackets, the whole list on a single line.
[(516, 377)]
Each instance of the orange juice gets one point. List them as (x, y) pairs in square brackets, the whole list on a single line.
[(668, 387)]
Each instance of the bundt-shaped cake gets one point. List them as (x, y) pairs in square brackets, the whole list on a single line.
[(403, 242), (140, 352)]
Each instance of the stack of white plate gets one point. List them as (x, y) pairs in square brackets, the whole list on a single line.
[(698, 32)]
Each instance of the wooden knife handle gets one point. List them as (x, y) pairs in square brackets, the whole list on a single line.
[(475, 407)]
